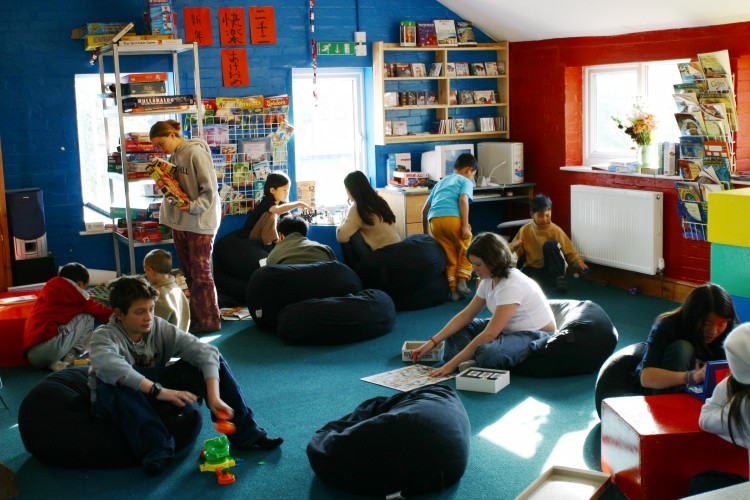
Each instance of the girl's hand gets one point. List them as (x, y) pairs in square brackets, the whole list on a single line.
[(185, 208), (444, 371), (699, 374), (418, 353), (305, 207), (177, 398)]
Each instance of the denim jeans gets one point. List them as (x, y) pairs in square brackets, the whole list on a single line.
[(508, 350), (679, 356), (73, 337), (140, 415), (355, 249), (554, 264)]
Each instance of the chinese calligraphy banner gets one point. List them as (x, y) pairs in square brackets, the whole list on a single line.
[(262, 26), (198, 26), (234, 68), (232, 26)]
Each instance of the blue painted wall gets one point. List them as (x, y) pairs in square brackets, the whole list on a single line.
[(38, 62)]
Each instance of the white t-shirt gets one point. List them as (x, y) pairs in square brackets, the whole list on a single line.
[(533, 312)]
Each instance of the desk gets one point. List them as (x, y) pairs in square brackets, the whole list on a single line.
[(407, 206)]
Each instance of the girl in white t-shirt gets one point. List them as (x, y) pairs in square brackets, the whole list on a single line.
[(521, 321)]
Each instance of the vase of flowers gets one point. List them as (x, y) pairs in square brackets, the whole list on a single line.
[(639, 125)]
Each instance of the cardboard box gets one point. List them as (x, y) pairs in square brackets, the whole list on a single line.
[(435, 354), (96, 29), (482, 380), (144, 77), (567, 483)]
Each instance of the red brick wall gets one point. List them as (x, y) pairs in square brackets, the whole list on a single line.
[(546, 115)]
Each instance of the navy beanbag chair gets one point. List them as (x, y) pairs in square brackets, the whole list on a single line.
[(617, 376), (338, 320), (414, 442), (58, 427), (271, 288), (412, 272), (235, 259), (584, 339)]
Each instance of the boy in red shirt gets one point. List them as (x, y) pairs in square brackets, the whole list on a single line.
[(61, 323)]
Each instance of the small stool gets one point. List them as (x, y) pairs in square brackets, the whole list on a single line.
[(652, 446)]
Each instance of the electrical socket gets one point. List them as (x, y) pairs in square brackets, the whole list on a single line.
[(360, 37)]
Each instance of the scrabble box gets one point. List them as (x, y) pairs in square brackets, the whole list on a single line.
[(435, 354), (482, 380)]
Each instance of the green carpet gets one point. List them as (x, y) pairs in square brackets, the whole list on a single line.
[(517, 433)]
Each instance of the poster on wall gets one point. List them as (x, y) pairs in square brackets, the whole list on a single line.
[(262, 26), (198, 26), (232, 26), (234, 68)]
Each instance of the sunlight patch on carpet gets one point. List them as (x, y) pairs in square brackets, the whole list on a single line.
[(518, 430), (209, 338), (567, 451)]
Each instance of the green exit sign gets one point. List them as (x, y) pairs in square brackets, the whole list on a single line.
[(335, 48)]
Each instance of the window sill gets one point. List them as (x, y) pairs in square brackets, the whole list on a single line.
[(589, 170)]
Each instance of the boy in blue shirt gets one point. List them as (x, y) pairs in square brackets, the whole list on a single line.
[(445, 215)]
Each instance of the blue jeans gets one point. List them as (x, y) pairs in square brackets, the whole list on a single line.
[(355, 249), (679, 356), (508, 350), (141, 416)]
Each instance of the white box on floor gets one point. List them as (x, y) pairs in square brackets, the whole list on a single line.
[(434, 354), (482, 380), (566, 483)]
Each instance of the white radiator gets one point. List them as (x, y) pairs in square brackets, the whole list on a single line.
[(619, 228)]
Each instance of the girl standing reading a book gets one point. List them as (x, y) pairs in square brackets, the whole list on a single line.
[(370, 223), (194, 225), (262, 221)]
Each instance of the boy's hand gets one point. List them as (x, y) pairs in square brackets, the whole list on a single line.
[(517, 245), (583, 267), (465, 231), (177, 398)]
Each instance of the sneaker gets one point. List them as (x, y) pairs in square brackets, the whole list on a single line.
[(463, 288), (156, 467), (455, 296), (466, 365), (264, 443), (561, 284), (58, 365)]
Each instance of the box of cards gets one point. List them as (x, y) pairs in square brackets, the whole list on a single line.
[(482, 380)]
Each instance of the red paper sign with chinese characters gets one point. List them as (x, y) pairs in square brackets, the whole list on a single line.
[(198, 26), (262, 26), (234, 68), (232, 26)]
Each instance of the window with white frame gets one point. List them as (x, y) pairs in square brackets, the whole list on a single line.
[(329, 132), (92, 145), (612, 90)]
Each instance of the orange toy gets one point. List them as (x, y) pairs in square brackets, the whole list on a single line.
[(223, 425), (224, 477)]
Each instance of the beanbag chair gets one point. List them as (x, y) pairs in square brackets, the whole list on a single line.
[(271, 288), (584, 339), (338, 320), (413, 442), (617, 375), (412, 272), (58, 427), (235, 259)]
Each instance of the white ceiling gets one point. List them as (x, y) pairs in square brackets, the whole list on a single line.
[(523, 20)]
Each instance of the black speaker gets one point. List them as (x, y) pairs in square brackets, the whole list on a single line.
[(26, 223)]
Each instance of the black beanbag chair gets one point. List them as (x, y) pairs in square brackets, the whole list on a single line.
[(617, 376), (412, 272), (271, 288), (58, 427), (338, 320), (235, 259), (584, 339), (413, 442)]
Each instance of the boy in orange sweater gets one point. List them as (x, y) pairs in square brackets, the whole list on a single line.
[(61, 322)]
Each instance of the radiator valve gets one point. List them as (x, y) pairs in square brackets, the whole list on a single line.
[(660, 266)]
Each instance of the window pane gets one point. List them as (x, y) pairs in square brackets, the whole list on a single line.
[(328, 138), (615, 94), (660, 78)]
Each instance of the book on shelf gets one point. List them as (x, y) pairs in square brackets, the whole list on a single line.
[(431, 97), (692, 146), (690, 168), (400, 127), (457, 126), (727, 99), (465, 97), (668, 155), (445, 30), (470, 125), (717, 169), (450, 69), (491, 68), (241, 174), (453, 97), (390, 99), (484, 97), (388, 128), (686, 103), (426, 34), (157, 102), (436, 68), (421, 98), (716, 64), (690, 124), (275, 109), (465, 34), (501, 67), (718, 84), (715, 148), (261, 170), (692, 211), (388, 70), (477, 69), (691, 72), (688, 191), (403, 70), (462, 68), (418, 70), (687, 88)]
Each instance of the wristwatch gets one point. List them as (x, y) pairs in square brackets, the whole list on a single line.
[(155, 389)]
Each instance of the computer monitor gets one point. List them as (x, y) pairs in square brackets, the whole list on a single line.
[(439, 163)]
